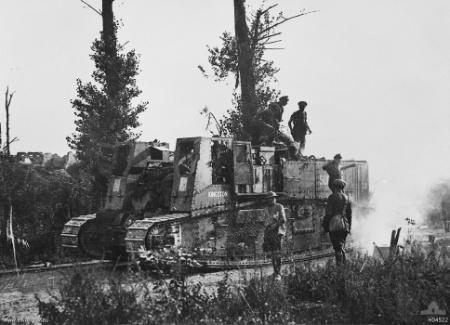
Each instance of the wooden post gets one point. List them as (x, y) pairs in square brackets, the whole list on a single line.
[(393, 248)]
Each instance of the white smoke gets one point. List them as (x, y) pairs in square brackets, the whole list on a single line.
[(401, 191)]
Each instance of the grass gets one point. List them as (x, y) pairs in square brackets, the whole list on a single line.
[(364, 291)]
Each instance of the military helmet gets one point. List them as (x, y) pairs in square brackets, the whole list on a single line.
[(271, 194), (339, 183)]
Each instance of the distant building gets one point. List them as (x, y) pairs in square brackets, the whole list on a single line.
[(47, 160)]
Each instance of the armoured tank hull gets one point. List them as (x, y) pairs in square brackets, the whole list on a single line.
[(232, 238), (214, 205)]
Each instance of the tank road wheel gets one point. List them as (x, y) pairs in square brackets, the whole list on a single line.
[(153, 239), (91, 241)]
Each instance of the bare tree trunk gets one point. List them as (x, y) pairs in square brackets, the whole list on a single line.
[(8, 98), (245, 63), (109, 37), (393, 247)]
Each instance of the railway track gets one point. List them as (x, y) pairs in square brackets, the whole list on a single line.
[(59, 267)]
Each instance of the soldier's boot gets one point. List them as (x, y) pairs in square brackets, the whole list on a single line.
[(302, 148), (338, 255), (294, 150), (344, 256), (274, 264), (279, 265)]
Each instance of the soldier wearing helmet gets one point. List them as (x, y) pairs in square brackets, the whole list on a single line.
[(267, 123), (275, 229), (338, 219), (334, 169)]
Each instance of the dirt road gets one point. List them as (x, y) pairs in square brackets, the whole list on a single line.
[(18, 293)]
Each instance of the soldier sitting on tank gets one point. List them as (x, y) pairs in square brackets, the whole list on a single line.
[(220, 163), (266, 123)]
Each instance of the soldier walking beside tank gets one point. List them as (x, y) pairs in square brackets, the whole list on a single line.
[(338, 220), (275, 229), (333, 168), (298, 131)]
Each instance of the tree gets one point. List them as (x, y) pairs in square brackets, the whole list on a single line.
[(243, 56), (104, 109), (245, 59), (8, 98)]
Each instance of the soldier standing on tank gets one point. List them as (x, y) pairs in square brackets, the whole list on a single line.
[(298, 131), (275, 229), (338, 204), (334, 169)]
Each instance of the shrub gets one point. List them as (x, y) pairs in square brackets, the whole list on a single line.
[(368, 291), (364, 290), (95, 298)]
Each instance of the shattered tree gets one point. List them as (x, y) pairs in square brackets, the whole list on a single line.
[(8, 98), (242, 55), (245, 64)]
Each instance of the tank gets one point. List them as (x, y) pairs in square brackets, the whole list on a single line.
[(218, 197), (209, 201), (102, 235)]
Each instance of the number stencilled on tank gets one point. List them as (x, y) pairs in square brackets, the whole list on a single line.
[(323, 180)]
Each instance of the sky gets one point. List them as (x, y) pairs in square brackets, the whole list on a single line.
[(375, 74)]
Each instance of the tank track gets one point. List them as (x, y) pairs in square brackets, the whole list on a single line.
[(70, 236), (82, 233), (137, 239), (137, 233)]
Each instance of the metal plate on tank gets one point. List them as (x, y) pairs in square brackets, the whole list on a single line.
[(299, 178)]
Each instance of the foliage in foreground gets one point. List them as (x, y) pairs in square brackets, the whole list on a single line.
[(369, 291), (363, 291), (41, 201)]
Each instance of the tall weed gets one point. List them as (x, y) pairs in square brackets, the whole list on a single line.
[(369, 291), (364, 290)]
